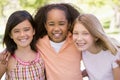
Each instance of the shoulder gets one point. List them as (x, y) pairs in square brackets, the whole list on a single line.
[(11, 63)]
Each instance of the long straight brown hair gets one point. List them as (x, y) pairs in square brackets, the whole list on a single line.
[(93, 25)]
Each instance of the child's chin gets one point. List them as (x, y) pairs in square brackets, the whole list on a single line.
[(80, 49)]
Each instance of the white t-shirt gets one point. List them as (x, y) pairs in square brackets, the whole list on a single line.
[(56, 46), (99, 66)]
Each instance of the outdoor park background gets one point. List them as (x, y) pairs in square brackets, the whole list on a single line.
[(107, 11)]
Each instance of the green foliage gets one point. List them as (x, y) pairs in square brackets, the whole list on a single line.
[(2, 4), (106, 23), (32, 3), (95, 3), (117, 2)]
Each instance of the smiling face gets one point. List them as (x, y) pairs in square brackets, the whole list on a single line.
[(57, 25), (22, 34), (82, 37)]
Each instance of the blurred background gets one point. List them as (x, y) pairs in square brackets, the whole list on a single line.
[(107, 11)]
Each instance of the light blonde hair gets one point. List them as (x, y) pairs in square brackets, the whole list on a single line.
[(93, 25)]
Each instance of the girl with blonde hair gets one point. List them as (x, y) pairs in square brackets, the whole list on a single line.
[(98, 51)]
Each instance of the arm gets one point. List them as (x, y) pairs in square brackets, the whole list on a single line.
[(3, 68), (3, 62), (84, 73), (116, 73), (4, 54), (118, 62)]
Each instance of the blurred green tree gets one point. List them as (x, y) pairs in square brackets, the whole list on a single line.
[(32, 3), (25, 4), (2, 4), (115, 6)]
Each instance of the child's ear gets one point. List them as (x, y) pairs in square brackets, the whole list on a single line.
[(34, 32), (96, 38), (10, 36)]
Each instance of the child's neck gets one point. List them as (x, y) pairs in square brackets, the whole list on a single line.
[(24, 51), (95, 50), (26, 54)]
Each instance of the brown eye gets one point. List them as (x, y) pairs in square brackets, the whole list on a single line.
[(85, 33), (16, 31), (75, 33), (26, 29), (50, 24), (62, 23)]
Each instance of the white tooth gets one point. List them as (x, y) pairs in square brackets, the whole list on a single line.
[(57, 35), (81, 44), (23, 40)]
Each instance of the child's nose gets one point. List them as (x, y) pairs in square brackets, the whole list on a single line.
[(22, 33), (79, 37)]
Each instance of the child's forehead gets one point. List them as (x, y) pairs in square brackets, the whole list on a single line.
[(23, 24), (56, 13), (56, 9)]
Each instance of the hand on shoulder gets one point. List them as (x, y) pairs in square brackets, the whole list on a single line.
[(4, 56)]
